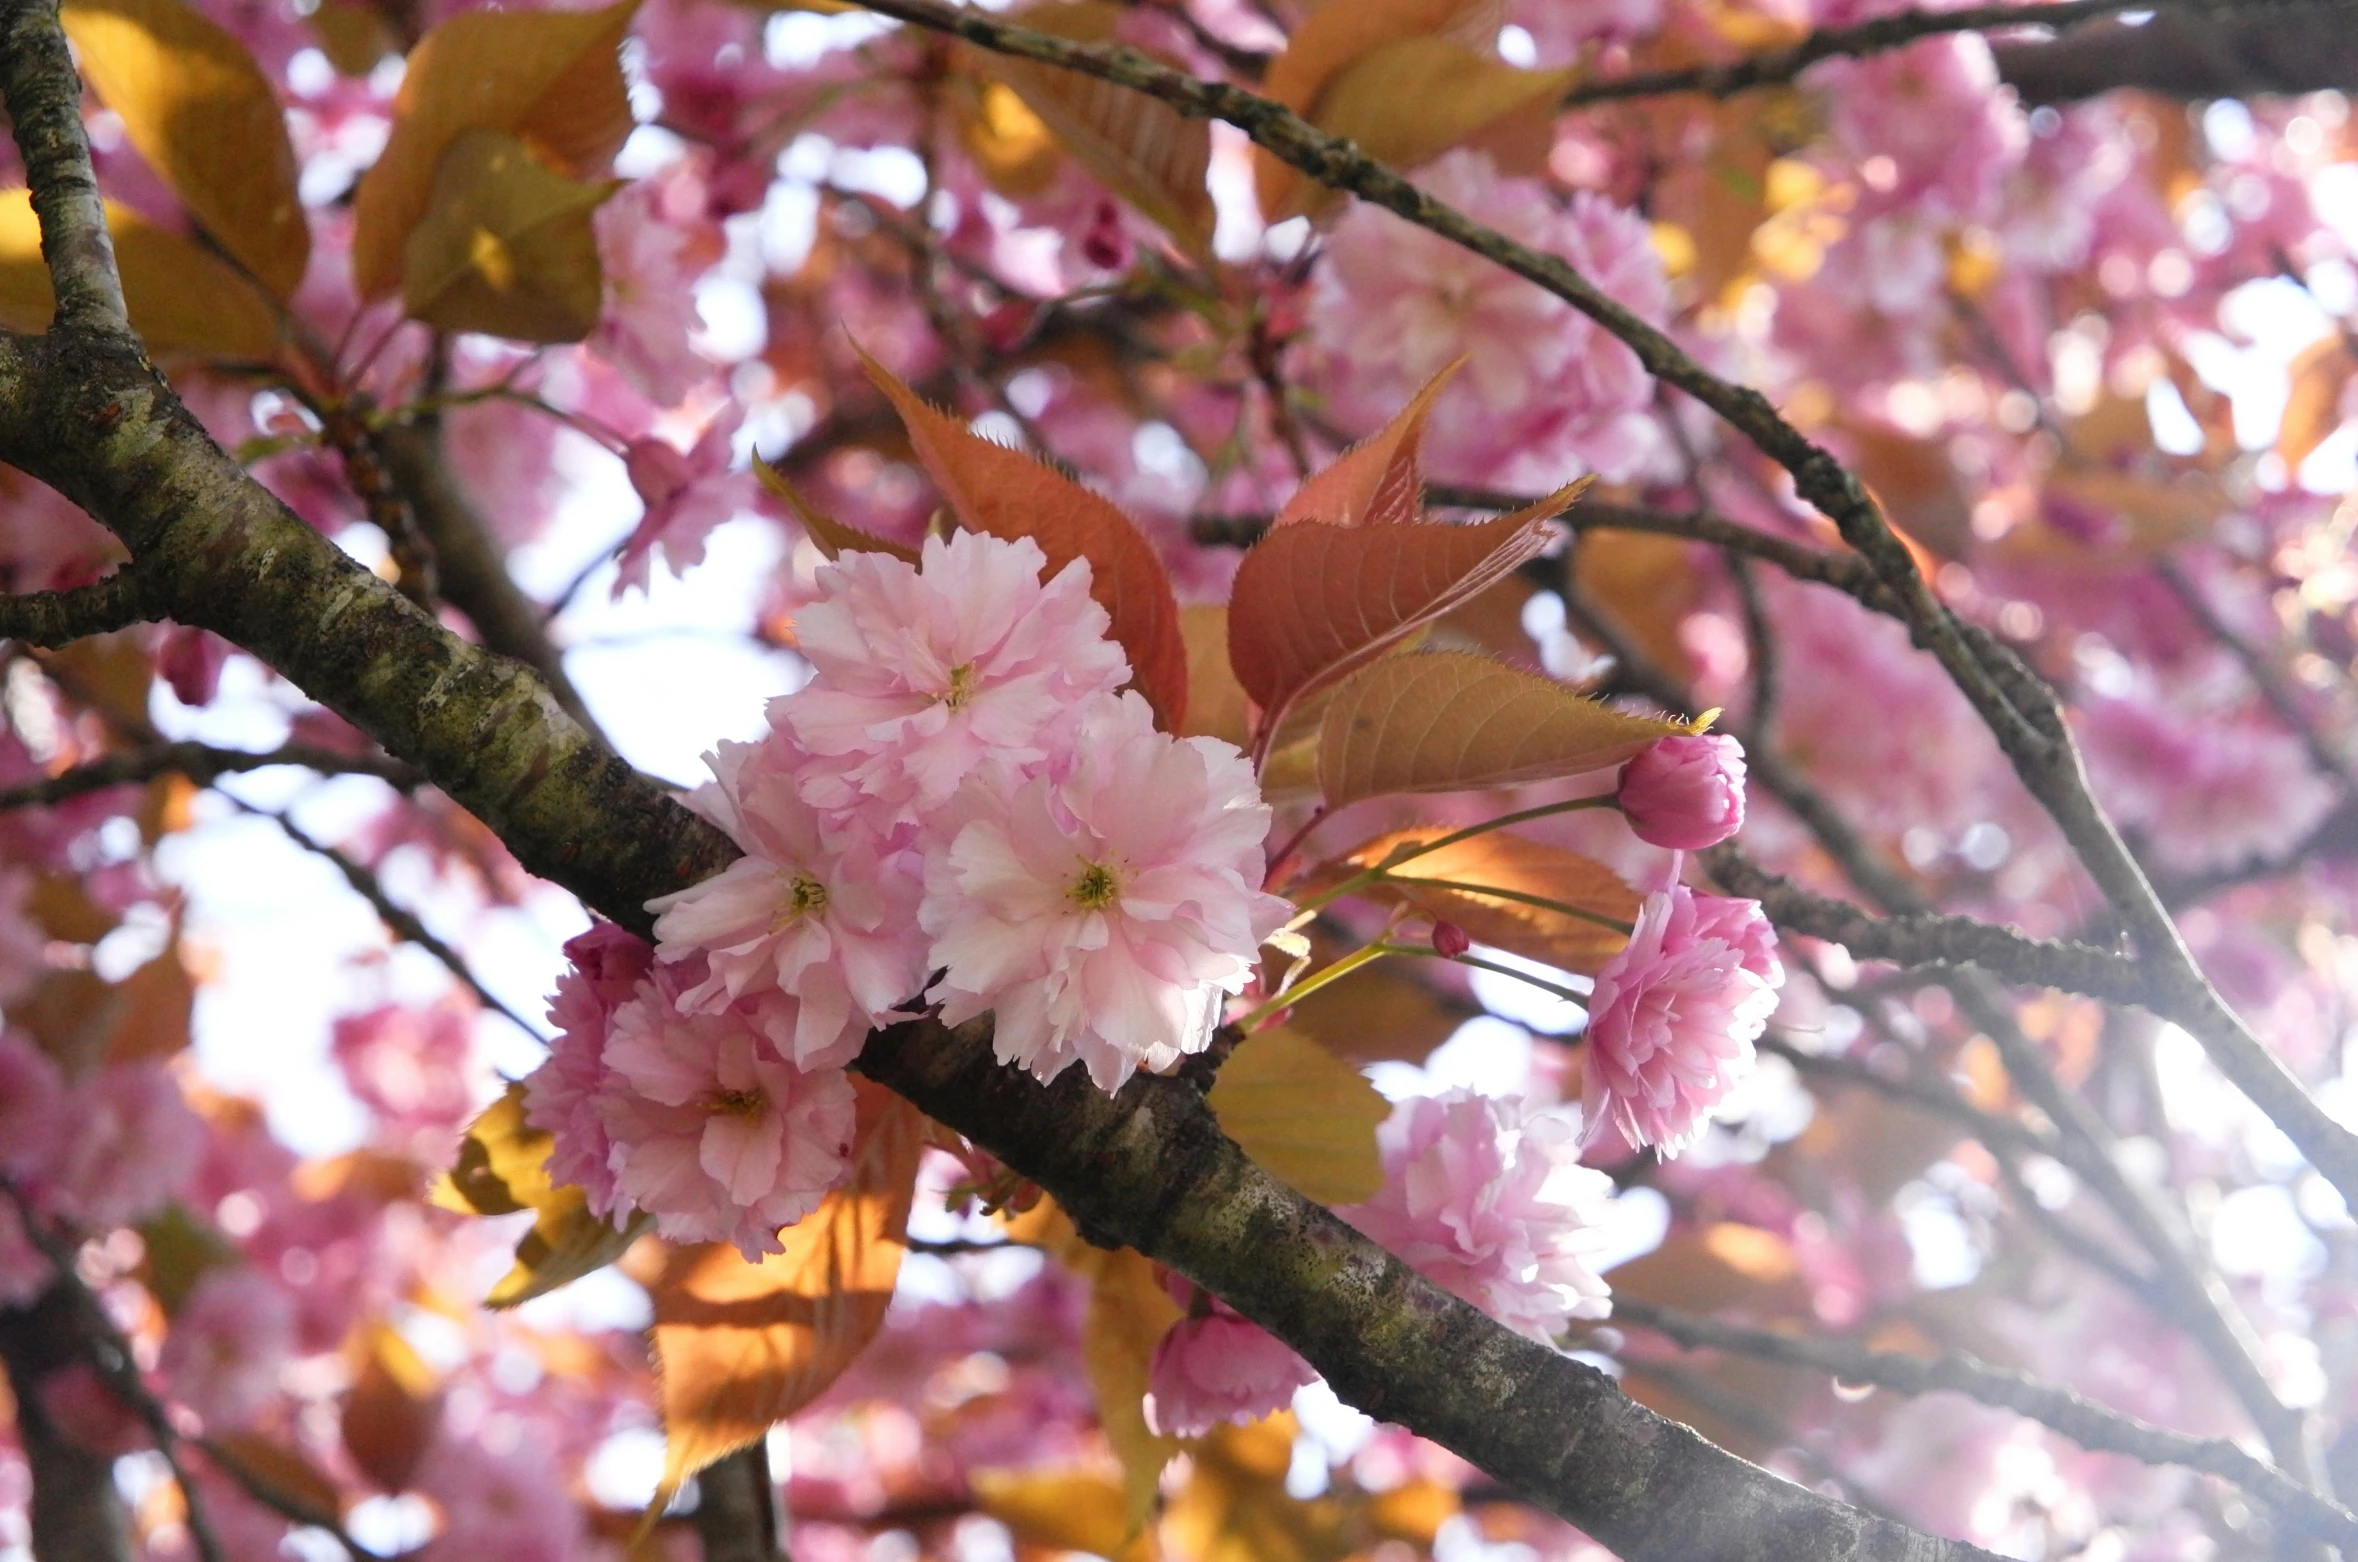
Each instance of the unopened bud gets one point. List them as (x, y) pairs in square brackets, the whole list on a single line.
[(1450, 940)]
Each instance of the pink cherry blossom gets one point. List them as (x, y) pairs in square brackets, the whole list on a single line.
[(1489, 1200), (1544, 390), (1104, 911), (510, 1505), (565, 1095), (687, 494), (923, 672), (1674, 1016), (1685, 793), (819, 907), (230, 1337), (133, 1143), (651, 266), (713, 1133), (409, 1065), (1218, 1366)]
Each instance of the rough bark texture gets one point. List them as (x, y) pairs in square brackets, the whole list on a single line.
[(1150, 1169)]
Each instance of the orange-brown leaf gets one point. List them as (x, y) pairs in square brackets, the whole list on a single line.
[(392, 1409), (1450, 721), (1501, 860), (743, 1346), (551, 78), (1139, 147), (1313, 602), (1216, 702), (1377, 481), (1006, 493)]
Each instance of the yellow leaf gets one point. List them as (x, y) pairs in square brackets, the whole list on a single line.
[(552, 78), (1061, 1510), (832, 537), (1236, 1507), (1504, 861), (506, 246), (743, 1346), (1308, 1117), (1408, 101), (1216, 702), (1329, 39), (1139, 147), (1129, 1313), (1015, 150), (1447, 721), (185, 301), (201, 112), (1378, 1016), (502, 1168)]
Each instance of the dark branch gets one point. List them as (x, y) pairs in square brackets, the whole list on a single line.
[(52, 618), (1389, 1341), (2192, 53), (2082, 1420), (44, 98), (1780, 66), (201, 763)]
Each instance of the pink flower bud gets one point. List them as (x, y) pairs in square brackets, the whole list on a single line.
[(1450, 940), (1685, 793)]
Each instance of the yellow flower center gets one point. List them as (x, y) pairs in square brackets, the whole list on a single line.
[(807, 897), (960, 693), (740, 1103), (1096, 888)]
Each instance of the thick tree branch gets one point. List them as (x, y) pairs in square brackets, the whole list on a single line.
[(473, 575), (203, 764), (2192, 53), (53, 618), (44, 98), (2082, 1420), (736, 1514), (1150, 1168)]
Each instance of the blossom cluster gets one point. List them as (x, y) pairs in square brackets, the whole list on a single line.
[(962, 788)]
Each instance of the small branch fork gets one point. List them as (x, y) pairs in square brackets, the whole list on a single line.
[(201, 763), (2082, 1420)]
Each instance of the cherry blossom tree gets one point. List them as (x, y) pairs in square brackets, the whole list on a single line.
[(1538, 779)]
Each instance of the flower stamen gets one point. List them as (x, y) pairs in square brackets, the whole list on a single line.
[(1096, 888)]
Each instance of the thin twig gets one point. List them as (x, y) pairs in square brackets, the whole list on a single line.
[(201, 763), (399, 918)]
